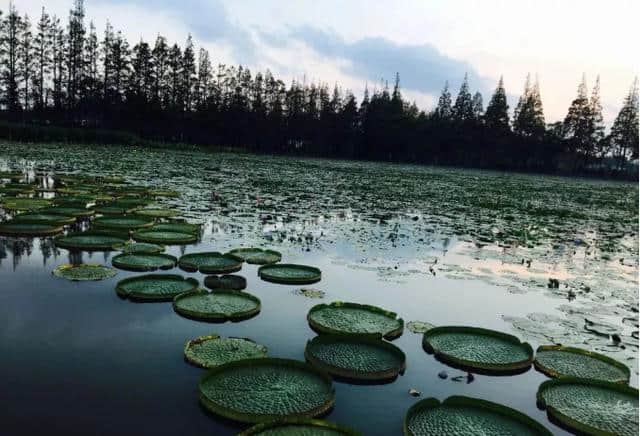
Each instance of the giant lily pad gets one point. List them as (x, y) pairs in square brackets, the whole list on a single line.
[(18, 203), (158, 213), (559, 361), (218, 306), (84, 272), (144, 261), (166, 238), (355, 357), (139, 247), (211, 350), (257, 256), (591, 407), (17, 228), (123, 222), (77, 212), (298, 427), (229, 281), (259, 390), (478, 349), (210, 262), (155, 287), (90, 241), (109, 209), (177, 227), (290, 274), (43, 218), (460, 415), (339, 318)]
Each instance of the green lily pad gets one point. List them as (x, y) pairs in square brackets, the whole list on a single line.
[(260, 390), (84, 272), (11, 174), (419, 326), (217, 306), (298, 427), (352, 318), (113, 210), (144, 261), (559, 361), (122, 222), (164, 193), (210, 262), (229, 281), (90, 241), (43, 218), (139, 247), (158, 213), (155, 287), (17, 228), (77, 212), (177, 227), (130, 202), (18, 203), (478, 349), (287, 273), (592, 407), (257, 256), (166, 238), (211, 350), (460, 415), (355, 357), (75, 201), (310, 292)]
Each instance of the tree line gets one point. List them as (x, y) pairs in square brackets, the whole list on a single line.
[(65, 76)]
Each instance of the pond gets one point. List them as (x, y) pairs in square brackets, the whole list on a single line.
[(548, 259)]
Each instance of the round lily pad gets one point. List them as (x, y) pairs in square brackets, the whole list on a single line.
[(43, 218), (460, 415), (24, 203), (84, 272), (90, 241), (108, 209), (166, 238), (17, 228), (298, 427), (139, 247), (478, 349), (177, 227), (77, 212), (229, 281), (217, 306), (155, 287), (257, 256), (211, 350), (355, 357), (592, 407), (123, 222), (210, 262), (158, 213), (352, 318), (260, 390), (290, 274), (130, 202), (144, 261), (559, 361)]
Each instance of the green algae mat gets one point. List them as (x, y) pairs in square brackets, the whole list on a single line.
[(144, 261), (298, 427), (355, 357), (229, 281), (287, 273), (352, 318), (166, 238), (559, 361), (266, 389), (211, 350), (460, 415), (257, 256), (43, 218), (13, 228), (122, 222), (84, 272), (90, 241), (217, 306), (138, 247), (591, 407), (478, 349), (155, 287), (210, 262)]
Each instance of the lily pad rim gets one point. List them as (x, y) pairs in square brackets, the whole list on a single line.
[(217, 316), (290, 281), (258, 249), (184, 263), (151, 297), (601, 357), (213, 337), (115, 261), (180, 239), (65, 266)]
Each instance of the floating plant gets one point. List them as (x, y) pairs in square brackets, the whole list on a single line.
[(84, 272), (298, 427), (290, 274), (90, 241), (144, 261), (19, 203), (77, 212), (210, 262), (158, 213), (340, 317), (122, 222), (166, 238), (257, 256), (218, 306), (17, 228), (155, 287), (43, 218), (211, 350), (559, 361), (229, 281), (138, 247), (177, 227)]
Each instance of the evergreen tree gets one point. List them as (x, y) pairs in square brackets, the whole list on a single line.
[(188, 74), (160, 64), (577, 123), (596, 121), (463, 107), (497, 115), (624, 132), (443, 110), (10, 54), (528, 117), (26, 61), (205, 76), (74, 52), (478, 107), (43, 59), (59, 71)]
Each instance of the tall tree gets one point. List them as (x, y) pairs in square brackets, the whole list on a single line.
[(26, 61), (577, 123), (497, 115), (188, 74), (91, 85), (10, 52), (58, 66), (160, 61), (624, 132), (596, 120), (463, 107), (478, 107), (443, 110), (75, 50), (43, 46), (528, 117)]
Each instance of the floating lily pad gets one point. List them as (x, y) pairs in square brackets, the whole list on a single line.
[(230, 281), (24, 203), (259, 390), (210, 262), (90, 241), (592, 407), (113, 210), (177, 227), (144, 261), (77, 212), (355, 357), (155, 287), (84, 272), (298, 427), (75, 201), (478, 349), (290, 274), (309, 292), (352, 318), (419, 326), (212, 350), (257, 256), (43, 218), (130, 202), (138, 247), (17, 228), (11, 174), (164, 193), (166, 238), (559, 361), (218, 306), (158, 213), (122, 222), (460, 415)]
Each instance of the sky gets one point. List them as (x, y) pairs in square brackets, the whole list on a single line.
[(358, 43)]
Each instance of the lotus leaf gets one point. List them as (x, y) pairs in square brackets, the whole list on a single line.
[(211, 350)]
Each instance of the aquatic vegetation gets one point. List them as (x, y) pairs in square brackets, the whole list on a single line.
[(559, 361), (122, 222), (17, 228), (298, 427), (178, 227), (591, 406), (163, 193), (340, 317), (229, 281), (90, 241), (144, 261), (355, 357), (468, 416), (43, 218), (84, 272), (109, 209), (211, 350), (217, 306), (19, 203), (165, 238), (261, 390), (210, 263), (257, 256), (155, 287), (77, 212), (158, 213), (138, 247), (419, 326), (290, 274), (309, 293)]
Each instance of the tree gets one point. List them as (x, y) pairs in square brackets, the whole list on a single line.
[(528, 117), (26, 61), (463, 107), (443, 110), (624, 132), (478, 108), (596, 128), (43, 59), (91, 84), (577, 123), (497, 115), (74, 53), (188, 75), (160, 61), (58, 56), (10, 52)]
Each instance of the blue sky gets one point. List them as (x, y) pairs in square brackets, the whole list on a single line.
[(359, 42)]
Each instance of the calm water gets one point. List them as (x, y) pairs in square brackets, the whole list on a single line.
[(77, 359)]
